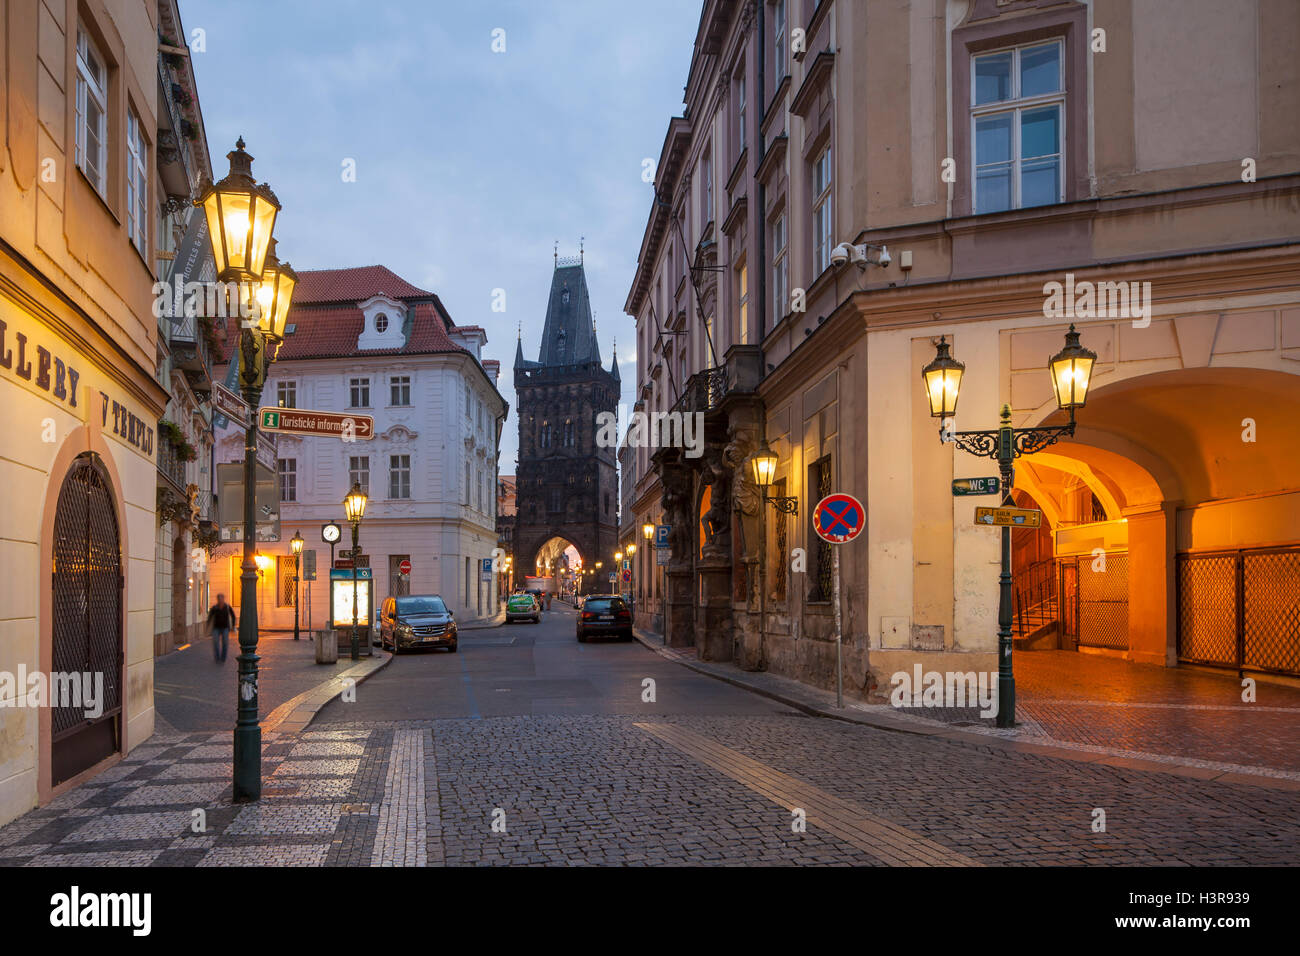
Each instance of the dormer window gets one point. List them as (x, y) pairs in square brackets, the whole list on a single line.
[(381, 323)]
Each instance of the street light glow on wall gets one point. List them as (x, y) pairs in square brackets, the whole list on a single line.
[(1071, 372), (241, 216), (942, 379)]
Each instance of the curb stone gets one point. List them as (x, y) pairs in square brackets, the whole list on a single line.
[(809, 701)]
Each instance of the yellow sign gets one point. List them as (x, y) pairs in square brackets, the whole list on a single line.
[(1009, 517)]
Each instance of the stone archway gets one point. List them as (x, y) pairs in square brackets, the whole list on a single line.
[(1195, 471)]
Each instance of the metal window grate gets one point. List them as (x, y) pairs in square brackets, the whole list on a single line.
[(286, 571), (1207, 608), (1271, 612), (780, 566)]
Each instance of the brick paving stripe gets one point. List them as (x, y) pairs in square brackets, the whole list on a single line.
[(877, 836)]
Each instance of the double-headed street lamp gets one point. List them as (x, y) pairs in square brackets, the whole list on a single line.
[(1071, 370), (241, 216), (295, 544), (354, 509)]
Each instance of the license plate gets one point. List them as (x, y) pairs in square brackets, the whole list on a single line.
[(606, 617)]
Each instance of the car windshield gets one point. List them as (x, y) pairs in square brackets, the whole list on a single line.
[(420, 605), (604, 604)]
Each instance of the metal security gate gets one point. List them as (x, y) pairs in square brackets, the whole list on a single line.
[(1240, 609), (1103, 601), (87, 622), (1069, 592)]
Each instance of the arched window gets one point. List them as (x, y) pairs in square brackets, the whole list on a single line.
[(546, 435), (568, 433)]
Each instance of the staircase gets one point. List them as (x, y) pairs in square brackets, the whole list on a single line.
[(1035, 622)]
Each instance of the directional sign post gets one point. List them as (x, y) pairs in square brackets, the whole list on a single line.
[(305, 421), (231, 405), (1009, 517), (976, 486), (838, 518)]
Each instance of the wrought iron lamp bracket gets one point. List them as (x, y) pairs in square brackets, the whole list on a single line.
[(786, 504)]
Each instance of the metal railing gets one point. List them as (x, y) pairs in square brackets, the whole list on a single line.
[(1035, 596), (170, 465), (703, 391)]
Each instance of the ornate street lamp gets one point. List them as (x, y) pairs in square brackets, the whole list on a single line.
[(295, 544), (241, 216), (354, 509), (763, 466), (647, 531), (942, 379), (1071, 371), (273, 295)]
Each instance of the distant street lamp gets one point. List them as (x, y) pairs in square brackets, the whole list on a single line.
[(241, 216), (1071, 371), (647, 531), (295, 543), (354, 509), (763, 468)]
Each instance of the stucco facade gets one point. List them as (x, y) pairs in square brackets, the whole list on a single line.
[(1161, 175), (77, 380)]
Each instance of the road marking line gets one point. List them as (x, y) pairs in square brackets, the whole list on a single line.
[(886, 841)]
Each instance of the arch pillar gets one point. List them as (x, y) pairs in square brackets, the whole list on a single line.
[(1153, 586)]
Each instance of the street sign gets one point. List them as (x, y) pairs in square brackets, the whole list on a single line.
[(976, 486), (230, 502), (485, 569), (626, 576), (305, 421), (661, 535), (266, 452), (612, 577), (309, 565), (230, 404), (404, 566), (662, 557), (343, 564), (627, 564), (1009, 517), (839, 518)]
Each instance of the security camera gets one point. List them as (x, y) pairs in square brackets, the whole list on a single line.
[(861, 256)]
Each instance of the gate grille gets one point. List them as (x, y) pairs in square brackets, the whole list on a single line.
[(1240, 609), (1271, 616), (1207, 608), (87, 591), (1103, 603)]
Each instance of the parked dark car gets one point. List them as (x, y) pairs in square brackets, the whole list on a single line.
[(603, 615), (416, 620)]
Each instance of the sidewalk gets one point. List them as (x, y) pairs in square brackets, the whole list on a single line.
[(496, 620), (1179, 728)]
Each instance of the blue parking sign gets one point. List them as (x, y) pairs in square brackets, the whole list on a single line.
[(661, 535)]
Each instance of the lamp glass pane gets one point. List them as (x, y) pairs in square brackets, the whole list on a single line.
[(263, 223), (212, 209)]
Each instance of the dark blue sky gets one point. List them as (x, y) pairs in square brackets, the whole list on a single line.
[(469, 163)]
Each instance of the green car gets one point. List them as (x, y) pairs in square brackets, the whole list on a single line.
[(523, 606)]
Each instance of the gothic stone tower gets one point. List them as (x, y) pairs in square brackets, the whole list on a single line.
[(567, 484)]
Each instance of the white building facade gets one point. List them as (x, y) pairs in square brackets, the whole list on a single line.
[(366, 342)]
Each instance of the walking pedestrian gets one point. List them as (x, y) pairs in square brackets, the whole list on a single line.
[(221, 618)]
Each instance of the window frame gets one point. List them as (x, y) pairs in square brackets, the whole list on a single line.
[(288, 387), (1015, 106), (780, 226), (357, 474), (399, 476), (396, 385), (823, 233), (287, 468), (358, 387), (86, 85), (137, 183)]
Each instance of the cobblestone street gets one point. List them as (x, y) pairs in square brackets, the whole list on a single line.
[(708, 774)]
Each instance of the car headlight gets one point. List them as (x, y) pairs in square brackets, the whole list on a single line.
[(404, 627)]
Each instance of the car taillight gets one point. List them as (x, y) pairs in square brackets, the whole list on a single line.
[(587, 616), (624, 614)]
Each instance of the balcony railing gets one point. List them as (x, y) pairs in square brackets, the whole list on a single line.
[(703, 391), (170, 465)]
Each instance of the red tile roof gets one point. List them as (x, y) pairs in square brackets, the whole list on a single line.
[(327, 322), (353, 285)]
